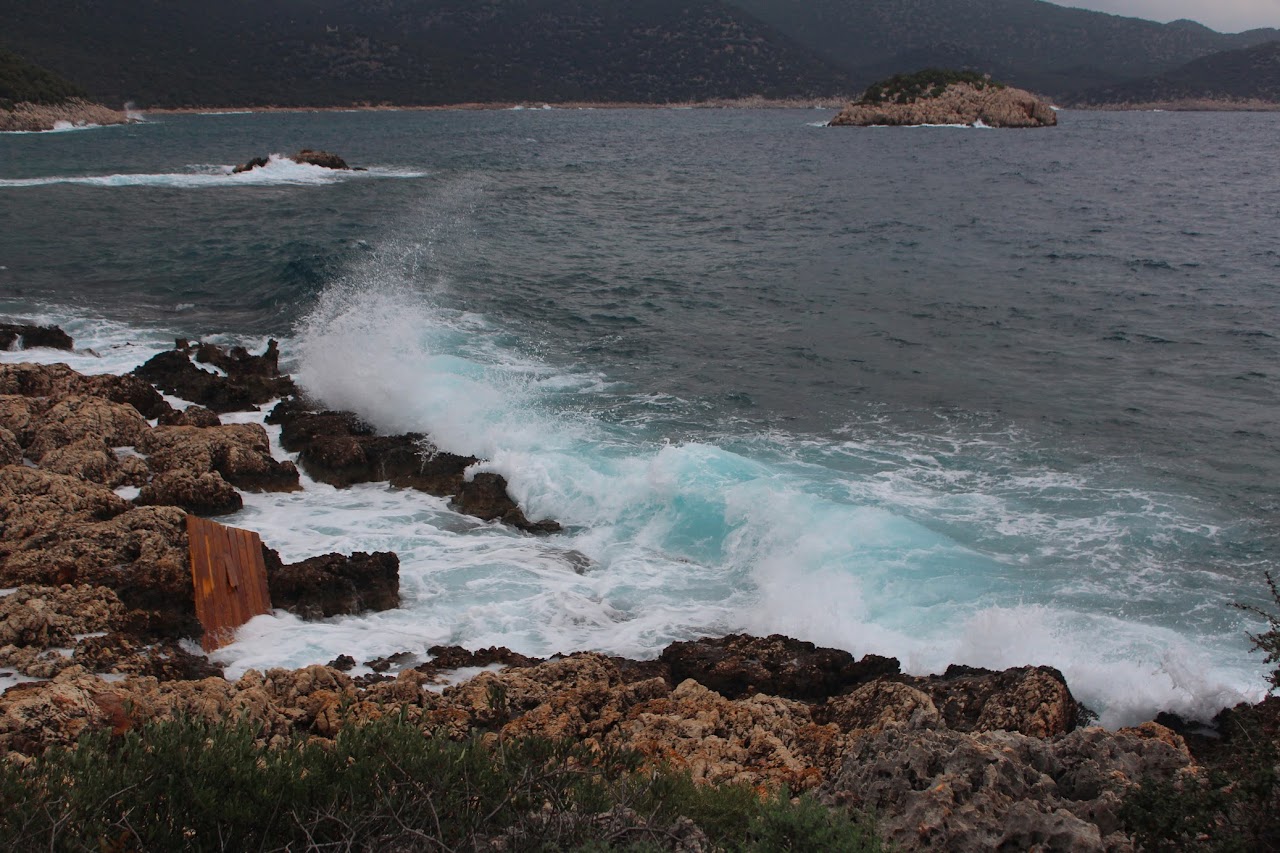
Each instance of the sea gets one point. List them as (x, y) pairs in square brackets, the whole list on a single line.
[(954, 395)]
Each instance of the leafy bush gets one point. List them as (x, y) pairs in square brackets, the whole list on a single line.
[(189, 785), (907, 88), (1269, 640), (22, 81)]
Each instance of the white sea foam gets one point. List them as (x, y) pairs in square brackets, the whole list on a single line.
[(279, 171)]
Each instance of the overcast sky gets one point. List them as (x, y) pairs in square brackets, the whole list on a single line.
[(1226, 16)]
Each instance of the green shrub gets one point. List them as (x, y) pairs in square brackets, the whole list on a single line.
[(189, 785), (1268, 641), (931, 82)]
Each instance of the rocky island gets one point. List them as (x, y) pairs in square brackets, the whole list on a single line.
[(936, 96), (120, 736)]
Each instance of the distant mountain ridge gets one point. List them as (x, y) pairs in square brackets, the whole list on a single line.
[(320, 52), (423, 52), (1028, 43), (1242, 76)]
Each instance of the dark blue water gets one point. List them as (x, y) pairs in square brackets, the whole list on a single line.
[(1051, 355)]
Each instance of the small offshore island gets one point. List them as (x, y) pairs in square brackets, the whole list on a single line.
[(944, 97)]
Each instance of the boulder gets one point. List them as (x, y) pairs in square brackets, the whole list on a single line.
[(58, 380), (333, 584), (87, 459), (202, 494), (35, 502), (741, 665), (196, 416), (323, 159), (244, 380), (18, 336), (485, 496), (254, 163), (74, 417), (240, 453)]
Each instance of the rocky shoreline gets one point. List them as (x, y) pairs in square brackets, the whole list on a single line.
[(29, 117), (99, 472)]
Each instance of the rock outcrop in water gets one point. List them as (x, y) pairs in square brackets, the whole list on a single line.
[(945, 98), (306, 156)]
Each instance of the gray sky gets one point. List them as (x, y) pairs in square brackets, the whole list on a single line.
[(1227, 16)]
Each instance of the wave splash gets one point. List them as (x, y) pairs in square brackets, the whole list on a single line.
[(725, 533), (279, 171)]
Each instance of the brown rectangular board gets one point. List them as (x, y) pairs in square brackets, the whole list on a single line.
[(229, 576)]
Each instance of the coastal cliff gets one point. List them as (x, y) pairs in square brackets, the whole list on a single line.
[(945, 98)]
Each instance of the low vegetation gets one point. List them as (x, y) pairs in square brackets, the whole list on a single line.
[(20, 81), (930, 83), (189, 785), (1233, 806)]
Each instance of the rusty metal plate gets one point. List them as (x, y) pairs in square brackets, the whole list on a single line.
[(230, 579)]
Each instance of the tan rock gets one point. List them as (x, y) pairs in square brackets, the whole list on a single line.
[(86, 459), (74, 417), (240, 453), (960, 103)]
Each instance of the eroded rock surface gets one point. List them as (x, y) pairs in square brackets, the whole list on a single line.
[(960, 103), (335, 584)]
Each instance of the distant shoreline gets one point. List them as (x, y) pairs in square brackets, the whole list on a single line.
[(835, 104)]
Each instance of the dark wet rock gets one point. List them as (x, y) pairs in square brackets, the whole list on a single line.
[(934, 789), (634, 671), (333, 584), (249, 381), (320, 158), (128, 389), (19, 336), (241, 453), (340, 449), (196, 416), (254, 163), (448, 658), (740, 665), (202, 494), (342, 663), (398, 660), (1032, 700), (486, 497)]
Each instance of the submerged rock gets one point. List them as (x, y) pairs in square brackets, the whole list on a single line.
[(485, 496), (19, 336), (307, 156)]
